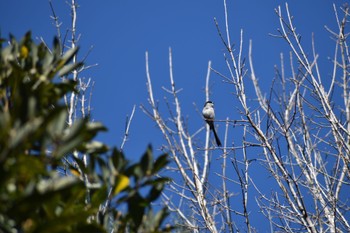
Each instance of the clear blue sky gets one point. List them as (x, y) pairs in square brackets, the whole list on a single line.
[(120, 32)]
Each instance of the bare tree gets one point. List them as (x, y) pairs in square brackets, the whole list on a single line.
[(300, 130), (191, 187), (78, 103), (305, 138)]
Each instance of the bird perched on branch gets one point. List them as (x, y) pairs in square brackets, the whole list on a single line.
[(209, 116)]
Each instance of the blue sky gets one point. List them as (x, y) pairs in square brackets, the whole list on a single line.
[(122, 31)]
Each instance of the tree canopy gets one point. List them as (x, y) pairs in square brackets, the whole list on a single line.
[(45, 186)]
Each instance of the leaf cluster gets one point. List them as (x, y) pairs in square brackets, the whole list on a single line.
[(35, 142), (137, 185)]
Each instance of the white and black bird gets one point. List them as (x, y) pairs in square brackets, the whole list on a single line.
[(209, 116)]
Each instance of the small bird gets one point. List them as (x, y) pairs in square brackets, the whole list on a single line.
[(209, 116)]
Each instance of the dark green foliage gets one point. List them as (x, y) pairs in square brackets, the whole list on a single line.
[(34, 138), (146, 187), (36, 142)]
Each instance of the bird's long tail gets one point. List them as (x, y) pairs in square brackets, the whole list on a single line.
[(218, 142)]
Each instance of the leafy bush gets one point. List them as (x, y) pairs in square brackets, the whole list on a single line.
[(35, 142)]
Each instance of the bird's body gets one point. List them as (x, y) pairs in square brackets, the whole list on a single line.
[(209, 116)]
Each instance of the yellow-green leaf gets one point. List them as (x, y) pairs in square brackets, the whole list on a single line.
[(75, 172), (121, 183), (24, 52)]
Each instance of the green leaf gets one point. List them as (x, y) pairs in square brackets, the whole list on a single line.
[(57, 183), (156, 190), (95, 147), (98, 196), (147, 161), (160, 163), (21, 134), (66, 58), (79, 165), (57, 50), (96, 127), (136, 171), (69, 68), (159, 218), (160, 180), (136, 210), (118, 160), (72, 139), (58, 124)]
